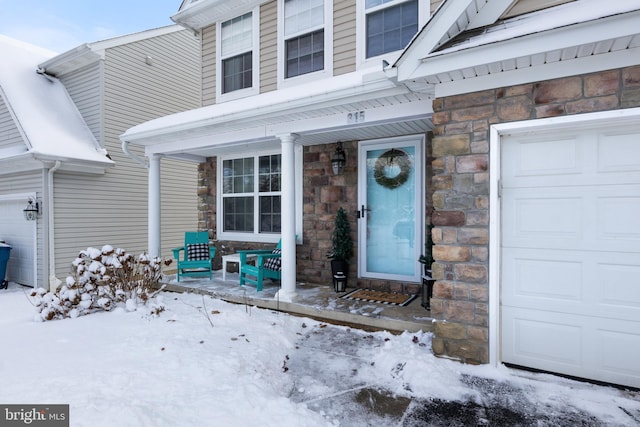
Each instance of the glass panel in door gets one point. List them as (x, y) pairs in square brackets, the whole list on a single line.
[(390, 224)]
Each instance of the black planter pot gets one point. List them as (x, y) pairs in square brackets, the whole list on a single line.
[(339, 272)]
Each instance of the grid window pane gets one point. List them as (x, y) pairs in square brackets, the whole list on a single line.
[(269, 173), (238, 72), (237, 176), (237, 35), (238, 214), (302, 15), (270, 218), (392, 28), (305, 54)]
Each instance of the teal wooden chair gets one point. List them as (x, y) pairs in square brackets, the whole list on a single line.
[(266, 266), (197, 255)]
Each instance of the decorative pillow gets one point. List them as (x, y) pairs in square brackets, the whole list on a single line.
[(273, 263), (198, 252)]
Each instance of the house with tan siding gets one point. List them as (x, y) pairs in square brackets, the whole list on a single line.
[(509, 126), (101, 89)]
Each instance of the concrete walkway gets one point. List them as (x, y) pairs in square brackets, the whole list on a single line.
[(316, 301)]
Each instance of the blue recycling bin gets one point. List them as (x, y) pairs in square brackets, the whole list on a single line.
[(5, 250)]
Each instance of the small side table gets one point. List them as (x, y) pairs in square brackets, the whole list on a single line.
[(234, 258)]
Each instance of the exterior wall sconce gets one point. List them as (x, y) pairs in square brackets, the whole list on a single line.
[(339, 160), (32, 210)]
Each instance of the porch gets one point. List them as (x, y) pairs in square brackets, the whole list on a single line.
[(318, 301)]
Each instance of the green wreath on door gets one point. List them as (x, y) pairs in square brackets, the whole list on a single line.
[(391, 158)]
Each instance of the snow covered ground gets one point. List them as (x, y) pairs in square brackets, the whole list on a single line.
[(204, 362)]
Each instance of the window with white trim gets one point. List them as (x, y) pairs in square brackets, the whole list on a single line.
[(304, 37), (251, 191), (385, 27), (390, 25), (237, 41)]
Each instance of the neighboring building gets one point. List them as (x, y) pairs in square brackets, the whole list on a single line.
[(490, 98), (536, 182), (60, 119)]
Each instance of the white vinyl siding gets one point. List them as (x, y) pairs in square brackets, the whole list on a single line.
[(93, 210), (9, 132), (84, 87)]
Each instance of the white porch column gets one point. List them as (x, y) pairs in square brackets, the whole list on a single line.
[(288, 217), (154, 206)]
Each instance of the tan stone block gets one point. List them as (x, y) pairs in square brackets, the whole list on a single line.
[(458, 128), (461, 292), (442, 182), (514, 108), (470, 99), (480, 254), (592, 104), (450, 236), (451, 253), (448, 218), (438, 200), (450, 330), (559, 90), (437, 308), (472, 163), (604, 83), (478, 218), (443, 290), (631, 76), (525, 89), (450, 145), (630, 98), (549, 110), (479, 293), (473, 236), (472, 113), (459, 311), (437, 346), (440, 117), (472, 273), (478, 334)]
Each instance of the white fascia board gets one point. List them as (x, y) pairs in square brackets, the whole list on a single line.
[(574, 35), (429, 36), (337, 91), (554, 70), (207, 12)]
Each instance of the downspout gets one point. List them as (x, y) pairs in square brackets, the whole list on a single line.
[(134, 156), (54, 282)]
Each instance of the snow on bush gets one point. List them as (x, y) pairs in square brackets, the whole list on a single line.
[(102, 280)]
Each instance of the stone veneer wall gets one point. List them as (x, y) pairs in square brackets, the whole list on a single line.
[(460, 184)]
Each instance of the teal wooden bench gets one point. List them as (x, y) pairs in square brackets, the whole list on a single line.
[(267, 266), (197, 255)]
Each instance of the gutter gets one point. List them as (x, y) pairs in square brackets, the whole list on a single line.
[(134, 156), (54, 282)]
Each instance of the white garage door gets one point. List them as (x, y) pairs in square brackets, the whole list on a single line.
[(570, 253), (21, 235)]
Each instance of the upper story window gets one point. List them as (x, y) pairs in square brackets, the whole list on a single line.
[(237, 56), (391, 24), (304, 36), (305, 39), (385, 27)]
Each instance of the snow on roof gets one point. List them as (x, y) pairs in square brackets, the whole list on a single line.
[(48, 118)]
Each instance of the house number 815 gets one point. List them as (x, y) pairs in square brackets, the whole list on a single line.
[(357, 117)]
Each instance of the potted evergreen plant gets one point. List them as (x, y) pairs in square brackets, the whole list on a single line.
[(341, 250)]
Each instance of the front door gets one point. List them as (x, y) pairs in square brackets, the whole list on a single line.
[(390, 224)]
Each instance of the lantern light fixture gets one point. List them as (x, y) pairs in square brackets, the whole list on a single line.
[(32, 210), (339, 160)]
